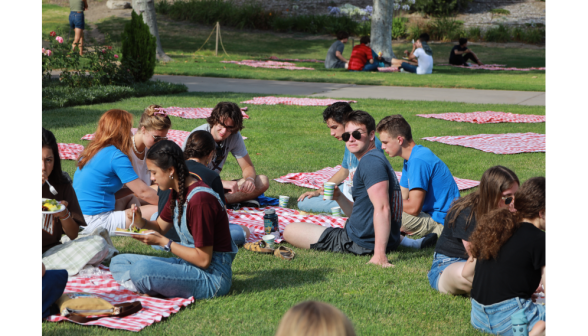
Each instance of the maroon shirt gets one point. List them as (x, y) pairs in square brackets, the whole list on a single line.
[(206, 219)]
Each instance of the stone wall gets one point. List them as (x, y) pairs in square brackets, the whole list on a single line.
[(316, 7)]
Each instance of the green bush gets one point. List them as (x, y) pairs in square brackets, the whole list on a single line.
[(445, 29), (528, 34), (364, 29), (474, 34), (500, 11), (399, 27), (138, 48), (501, 33), (440, 8), (414, 31)]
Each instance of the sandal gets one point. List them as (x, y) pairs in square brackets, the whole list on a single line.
[(259, 247), (284, 252)]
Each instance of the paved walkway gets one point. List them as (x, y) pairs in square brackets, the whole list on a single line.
[(351, 91)]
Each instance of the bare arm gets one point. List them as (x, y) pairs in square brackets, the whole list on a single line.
[(469, 269), (143, 191), (404, 192), (340, 56), (248, 174), (543, 280), (339, 177), (345, 204), (378, 194), (414, 204)]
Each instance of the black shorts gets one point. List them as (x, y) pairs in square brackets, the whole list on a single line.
[(337, 240)]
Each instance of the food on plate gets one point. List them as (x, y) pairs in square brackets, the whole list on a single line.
[(133, 230), (50, 205)]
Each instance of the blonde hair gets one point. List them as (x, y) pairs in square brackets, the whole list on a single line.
[(152, 121), (313, 318)]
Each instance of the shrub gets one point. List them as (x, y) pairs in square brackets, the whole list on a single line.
[(500, 11), (501, 33), (474, 34), (138, 48), (364, 28), (440, 8), (528, 34), (445, 29), (399, 27)]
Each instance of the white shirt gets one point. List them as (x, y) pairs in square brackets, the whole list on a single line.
[(140, 167), (425, 62)]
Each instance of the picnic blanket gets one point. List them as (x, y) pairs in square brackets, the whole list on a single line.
[(491, 67), (270, 100), (275, 58), (509, 143), (269, 64), (69, 151), (195, 112), (176, 136), (107, 288), (488, 117), (316, 179), (253, 219), (388, 69)]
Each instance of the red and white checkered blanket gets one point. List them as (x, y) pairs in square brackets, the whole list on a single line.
[(269, 64), (488, 117), (509, 143), (275, 58), (108, 289), (176, 136), (69, 151), (316, 179), (388, 69), (293, 101), (491, 67), (195, 112), (253, 219)]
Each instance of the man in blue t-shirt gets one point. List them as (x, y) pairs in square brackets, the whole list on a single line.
[(375, 213), (428, 188), (310, 201)]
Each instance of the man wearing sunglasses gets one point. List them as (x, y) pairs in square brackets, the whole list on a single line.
[(374, 214), (310, 201), (225, 123), (428, 188)]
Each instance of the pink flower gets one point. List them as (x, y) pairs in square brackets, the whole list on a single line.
[(49, 52), (115, 56), (59, 39), (103, 51), (43, 50), (52, 33)]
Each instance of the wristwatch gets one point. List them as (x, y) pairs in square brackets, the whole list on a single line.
[(167, 247)]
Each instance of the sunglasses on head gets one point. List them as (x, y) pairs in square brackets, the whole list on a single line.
[(346, 136), (507, 199), (157, 138)]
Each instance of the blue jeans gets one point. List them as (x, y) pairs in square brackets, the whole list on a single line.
[(76, 20), (317, 204), (174, 277), (440, 263), (54, 282), (371, 66), (408, 67), (495, 319)]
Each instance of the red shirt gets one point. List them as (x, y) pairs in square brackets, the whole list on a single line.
[(207, 220), (360, 55)]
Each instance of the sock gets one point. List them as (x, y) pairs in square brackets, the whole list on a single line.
[(412, 243)]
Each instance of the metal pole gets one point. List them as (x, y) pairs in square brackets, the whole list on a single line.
[(216, 48)]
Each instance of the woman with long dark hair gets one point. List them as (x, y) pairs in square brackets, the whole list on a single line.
[(202, 266), (508, 255), (496, 190)]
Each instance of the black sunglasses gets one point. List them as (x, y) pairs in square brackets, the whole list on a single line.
[(356, 134), (507, 199)]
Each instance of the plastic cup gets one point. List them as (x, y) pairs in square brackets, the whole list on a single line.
[(329, 189), (269, 241), (336, 211), (284, 201)]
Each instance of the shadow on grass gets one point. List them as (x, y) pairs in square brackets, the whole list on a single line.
[(277, 279)]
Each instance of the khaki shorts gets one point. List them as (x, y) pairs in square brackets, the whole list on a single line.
[(420, 225)]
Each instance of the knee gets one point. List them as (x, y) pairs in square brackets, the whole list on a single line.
[(247, 231), (538, 329), (137, 271), (263, 183), (287, 232)]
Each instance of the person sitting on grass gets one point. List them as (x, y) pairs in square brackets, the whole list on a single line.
[(461, 54), (335, 57), (314, 318), (373, 226), (199, 152), (310, 201), (225, 123), (507, 263), (362, 57), (202, 268), (497, 188), (419, 60), (427, 186)]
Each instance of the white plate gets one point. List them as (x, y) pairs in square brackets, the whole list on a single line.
[(61, 208), (130, 234)]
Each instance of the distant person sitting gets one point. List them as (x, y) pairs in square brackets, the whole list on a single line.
[(460, 54), (362, 58), (335, 57), (420, 61)]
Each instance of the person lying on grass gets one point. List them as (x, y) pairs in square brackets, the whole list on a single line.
[(419, 60), (225, 123), (375, 217), (153, 127), (309, 201), (427, 186), (363, 58), (461, 54), (497, 188), (103, 167), (507, 263), (198, 153), (335, 57), (202, 268)]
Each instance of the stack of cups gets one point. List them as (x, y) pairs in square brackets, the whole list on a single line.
[(329, 190), (284, 201), (336, 211)]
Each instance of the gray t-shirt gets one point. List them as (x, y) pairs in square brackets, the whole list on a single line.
[(234, 144), (331, 60)]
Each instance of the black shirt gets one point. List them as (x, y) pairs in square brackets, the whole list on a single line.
[(450, 243), (516, 271), (210, 177), (456, 59)]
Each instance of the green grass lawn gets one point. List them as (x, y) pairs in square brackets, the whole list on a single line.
[(54, 18), (285, 139)]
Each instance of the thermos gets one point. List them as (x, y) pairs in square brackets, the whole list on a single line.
[(270, 221), (519, 324)]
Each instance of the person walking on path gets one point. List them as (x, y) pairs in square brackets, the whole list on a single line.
[(76, 22)]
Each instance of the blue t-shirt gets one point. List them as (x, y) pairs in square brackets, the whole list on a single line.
[(100, 178), (373, 168), (426, 171), (350, 163)]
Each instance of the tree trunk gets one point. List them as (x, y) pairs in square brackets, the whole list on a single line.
[(147, 8), (381, 34)]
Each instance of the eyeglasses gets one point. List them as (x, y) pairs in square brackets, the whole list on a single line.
[(157, 138), (346, 136), (229, 128), (507, 199)]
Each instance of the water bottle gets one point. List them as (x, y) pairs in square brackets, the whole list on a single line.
[(519, 322), (270, 221)]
